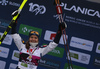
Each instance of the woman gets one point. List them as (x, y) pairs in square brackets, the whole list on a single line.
[(30, 53)]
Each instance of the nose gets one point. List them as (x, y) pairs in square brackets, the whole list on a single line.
[(33, 40)]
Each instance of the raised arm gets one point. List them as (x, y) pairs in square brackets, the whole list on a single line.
[(15, 36), (55, 42)]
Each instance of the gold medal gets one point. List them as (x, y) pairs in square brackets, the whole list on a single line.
[(30, 57)]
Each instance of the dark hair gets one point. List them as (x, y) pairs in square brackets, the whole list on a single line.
[(27, 45)]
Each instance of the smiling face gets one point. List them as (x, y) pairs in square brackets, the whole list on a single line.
[(33, 39)]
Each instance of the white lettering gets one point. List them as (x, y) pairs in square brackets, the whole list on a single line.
[(38, 9), (98, 61), (78, 9), (42, 61), (14, 4), (55, 51)]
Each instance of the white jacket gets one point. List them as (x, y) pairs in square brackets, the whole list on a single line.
[(24, 61)]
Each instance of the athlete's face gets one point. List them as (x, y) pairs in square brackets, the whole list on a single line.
[(33, 39)]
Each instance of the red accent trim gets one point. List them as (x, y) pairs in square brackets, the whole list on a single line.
[(59, 9)]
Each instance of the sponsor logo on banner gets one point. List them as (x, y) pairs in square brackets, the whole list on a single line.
[(79, 57), (4, 23), (78, 9), (50, 35), (98, 48), (58, 52), (97, 61), (12, 66), (6, 2), (74, 67), (49, 63), (37, 9), (25, 29), (7, 40), (81, 43), (2, 64), (4, 52), (15, 55), (74, 55)]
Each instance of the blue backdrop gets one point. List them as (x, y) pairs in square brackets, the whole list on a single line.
[(82, 18)]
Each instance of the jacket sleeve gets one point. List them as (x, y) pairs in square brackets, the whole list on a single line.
[(48, 48), (17, 40)]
